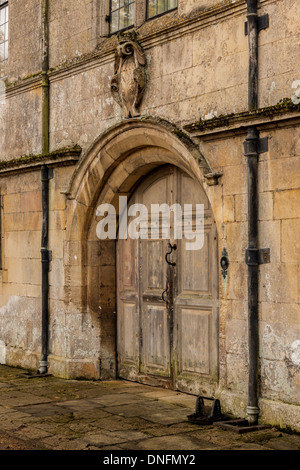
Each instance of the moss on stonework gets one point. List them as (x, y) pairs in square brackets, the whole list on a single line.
[(21, 80), (183, 137), (32, 76), (283, 106), (287, 429), (28, 159)]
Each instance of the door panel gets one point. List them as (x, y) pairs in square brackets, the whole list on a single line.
[(155, 328), (128, 349), (128, 262), (155, 340), (195, 344), (128, 352), (154, 275), (195, 271)]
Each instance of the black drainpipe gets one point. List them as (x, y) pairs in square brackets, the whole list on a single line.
[(252, 262), (45, 258), (45, 175), (252, 30), (251, 152)]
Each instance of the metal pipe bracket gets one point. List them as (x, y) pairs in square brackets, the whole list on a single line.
[(255, 257), (262, 23)]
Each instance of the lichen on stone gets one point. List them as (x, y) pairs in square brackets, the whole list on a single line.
[(28, 159), (283, 106)]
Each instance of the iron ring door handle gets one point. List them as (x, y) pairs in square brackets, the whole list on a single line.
[(171, 247)]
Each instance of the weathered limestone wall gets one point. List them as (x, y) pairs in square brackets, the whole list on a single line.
[(71, 29), (188, 6), (24, 58), (81, 107), (200, 74), (279, 299), (20, 317), (73, 339), (279, 288), (278, 58), (20, 119)]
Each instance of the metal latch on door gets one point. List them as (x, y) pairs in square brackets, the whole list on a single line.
[(170, 263)]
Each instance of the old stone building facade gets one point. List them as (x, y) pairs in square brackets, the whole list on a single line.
[(162, 102)]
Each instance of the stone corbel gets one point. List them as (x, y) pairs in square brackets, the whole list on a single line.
[(212, 179)]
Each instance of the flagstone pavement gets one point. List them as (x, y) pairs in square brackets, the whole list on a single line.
[(48, 413)]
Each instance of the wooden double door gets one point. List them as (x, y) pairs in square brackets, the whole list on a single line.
[(167, 302)]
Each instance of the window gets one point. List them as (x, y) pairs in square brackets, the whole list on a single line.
[(157, 7), (122, 14), (3, 37), (126, 13)]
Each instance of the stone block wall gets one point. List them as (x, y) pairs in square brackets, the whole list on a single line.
[(24, 59), (21, 269), (21, 123), (278, 57), (71, 29), (279, 300)]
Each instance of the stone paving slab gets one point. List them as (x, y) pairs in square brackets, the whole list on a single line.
[(152, 411), (118, 399), (186, 401), (178, 442), (44, 409), (54, 414)]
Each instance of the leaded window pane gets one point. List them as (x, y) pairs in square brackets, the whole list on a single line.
[(3, 38), (121, 14), (156, 7), (3, 15)]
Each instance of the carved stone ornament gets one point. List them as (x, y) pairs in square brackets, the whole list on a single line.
[(128, 82)]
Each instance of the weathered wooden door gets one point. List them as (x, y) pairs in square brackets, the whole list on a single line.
[(167, 305)]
